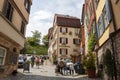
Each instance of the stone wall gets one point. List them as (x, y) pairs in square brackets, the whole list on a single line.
[(117, 55), (11, 57)]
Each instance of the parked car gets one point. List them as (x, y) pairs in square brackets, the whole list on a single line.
[(20, 61)]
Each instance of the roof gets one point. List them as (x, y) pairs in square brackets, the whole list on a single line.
[(67, 21)]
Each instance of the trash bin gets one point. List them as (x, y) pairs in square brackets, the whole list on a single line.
[(79, 68), (26, 66)]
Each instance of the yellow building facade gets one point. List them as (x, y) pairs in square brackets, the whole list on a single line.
[(65, 41), (108, 29), (14, 16)]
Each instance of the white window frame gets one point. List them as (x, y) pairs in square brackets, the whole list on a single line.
[(63, 30), (63, 51), (76, 31), (63, 41), (3, 56)]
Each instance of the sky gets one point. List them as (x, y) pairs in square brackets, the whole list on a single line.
[(43, 11)]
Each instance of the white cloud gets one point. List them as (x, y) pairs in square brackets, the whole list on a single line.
[(41, 15)]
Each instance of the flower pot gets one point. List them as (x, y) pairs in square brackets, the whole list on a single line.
[(91, 73)]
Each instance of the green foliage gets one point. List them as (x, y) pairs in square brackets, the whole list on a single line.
[(91, 42), (33, 44), (45, 40), (108, 63), (89, 61), (35, 39)]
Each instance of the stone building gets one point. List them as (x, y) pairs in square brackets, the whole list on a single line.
[(82, 34), (108, 31), (65, 41), (14, 16)]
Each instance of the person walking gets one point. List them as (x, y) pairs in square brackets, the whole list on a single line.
[(71, 65), (61, 64), (37, 61), (32, 61)]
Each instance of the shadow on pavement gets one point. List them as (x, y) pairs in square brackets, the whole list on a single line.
[(21, 76)]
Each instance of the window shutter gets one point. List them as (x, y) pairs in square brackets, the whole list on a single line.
[(60, 40), (73, 41), (60, 51), (66, 40), (5, 7), (103, 26), (11, 13), (66, 30), (22, 27), (60, 29), (25, 2), (108, 10), (66, 51)]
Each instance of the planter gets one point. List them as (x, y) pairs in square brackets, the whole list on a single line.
[(2, 70), (91, 73)]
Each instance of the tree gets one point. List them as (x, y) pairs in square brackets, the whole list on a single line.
[(91, 42), (32, 44), (35, 39), (45, 40)]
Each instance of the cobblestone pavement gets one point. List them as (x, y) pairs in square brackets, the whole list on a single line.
[(45, 72)]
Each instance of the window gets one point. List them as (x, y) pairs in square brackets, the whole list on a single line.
[(108, 10), (27, 5), (105, 18), (8, 10), (96, 3), (115, 1), (63, 51), (63, 29), (90, 8), (2, 55), (76, 41), (63, 40), (22, 28), (76, 31), (94, 28), (101, 25)]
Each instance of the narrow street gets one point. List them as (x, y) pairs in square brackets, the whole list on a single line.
[(45, 72)]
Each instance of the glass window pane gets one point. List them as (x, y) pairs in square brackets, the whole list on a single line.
[(2, 51)]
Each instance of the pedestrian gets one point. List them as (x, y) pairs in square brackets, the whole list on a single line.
[(24, 58), (71, 65), (61, 64), (26, 66), (32, 61), (57, 68), (42, 61), (37, 61)]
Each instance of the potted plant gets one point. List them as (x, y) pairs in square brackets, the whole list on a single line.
[(2, 69), (89, 64)]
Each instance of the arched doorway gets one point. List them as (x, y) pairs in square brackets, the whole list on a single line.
[(108, 63)]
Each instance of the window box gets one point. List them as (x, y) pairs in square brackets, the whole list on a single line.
[(70, 33)]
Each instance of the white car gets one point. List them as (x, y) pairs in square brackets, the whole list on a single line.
[(20, 61)]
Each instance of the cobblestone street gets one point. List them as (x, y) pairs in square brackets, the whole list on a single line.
[(45, 72)]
